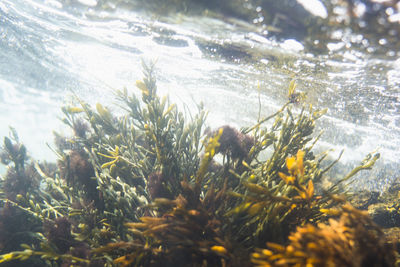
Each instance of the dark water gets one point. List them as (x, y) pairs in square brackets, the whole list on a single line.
[(50, 48)]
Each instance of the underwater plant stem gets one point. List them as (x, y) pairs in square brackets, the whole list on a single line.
[(366, 166), (265, 119), (333, 163), (22, 208), (259, 102)]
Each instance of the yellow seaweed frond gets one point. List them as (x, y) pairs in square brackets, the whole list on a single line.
[(331, 212), (104, 112), (255, 208), (142, 86), (219, 249), (308, 192), (211, 146), (288, 179), (73, 110), (7, 257), (256, 188), (295, 164), (292, 87), (124, 260)]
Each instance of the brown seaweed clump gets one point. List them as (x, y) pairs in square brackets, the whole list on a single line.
[(21, 175), (19, 182), (79, 172), (59, 234), (10, 224), (80, 128), (186, 233), (353, 240), (79, 169), (157, 186), (234, 144), (16, 228)]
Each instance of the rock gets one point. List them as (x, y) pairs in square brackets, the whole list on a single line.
[(393, 236), (364, 199), (385, 215)]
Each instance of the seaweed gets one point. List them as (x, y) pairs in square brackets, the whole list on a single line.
[(146, 188), (352, 240)]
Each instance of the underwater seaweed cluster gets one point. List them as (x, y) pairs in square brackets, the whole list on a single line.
[(352, 240), (146, 189)]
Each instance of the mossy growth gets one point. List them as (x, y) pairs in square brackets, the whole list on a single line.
[(145, 189)]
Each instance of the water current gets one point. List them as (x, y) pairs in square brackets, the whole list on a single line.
[(49, 49)]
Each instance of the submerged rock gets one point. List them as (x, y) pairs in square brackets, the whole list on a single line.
[(384, 214)]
